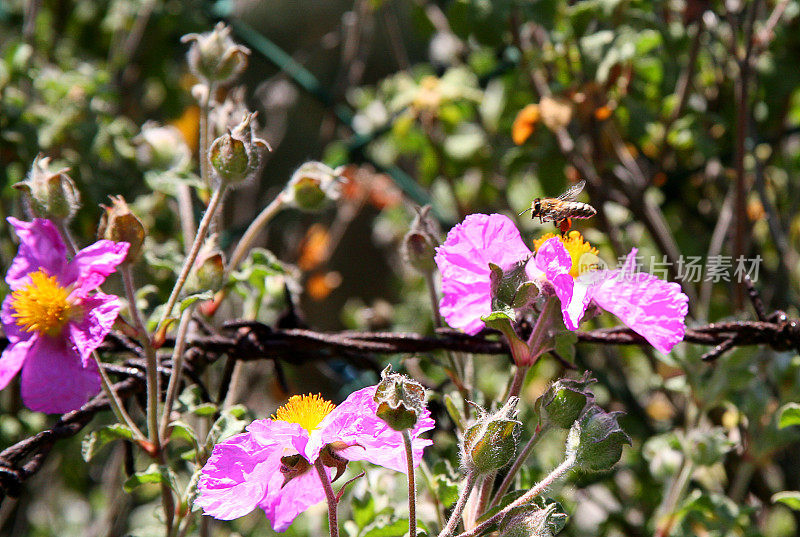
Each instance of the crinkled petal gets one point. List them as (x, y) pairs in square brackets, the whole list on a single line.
[(13, 358), (282, 505), (354, 423), (651, 307), (235, 478), (553, 259), (89, 332), (54, 379), (40, 247), (93, 264), (289, 435), (463, 261)]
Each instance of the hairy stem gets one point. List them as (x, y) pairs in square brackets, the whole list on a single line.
[(333, 521), (458, 510), (520, 460), (253, 230), (153, 384), (412, 487), (177, 369), (114, 401), (535, 491)]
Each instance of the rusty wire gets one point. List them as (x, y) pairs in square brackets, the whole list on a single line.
[(256, 341)]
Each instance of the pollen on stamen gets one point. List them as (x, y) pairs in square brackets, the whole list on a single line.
[(576, 247), (42, 306), (305, 410)]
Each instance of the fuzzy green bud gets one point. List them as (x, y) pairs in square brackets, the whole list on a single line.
[(209, 268), (565, 400), (533, 520), (237, 155), (400, 400), (119, 224), (313, 186), (51, 194), (491, 442), (214, 57), (597, 439), (419, 244)]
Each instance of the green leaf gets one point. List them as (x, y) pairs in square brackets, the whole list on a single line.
[(790, 415), (454, 412), (791, 498), (363, 510), (154, 474), (191, 299), (204, 409), (183, 431), (94, 441)]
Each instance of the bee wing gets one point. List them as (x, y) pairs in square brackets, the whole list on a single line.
[(572, 193)]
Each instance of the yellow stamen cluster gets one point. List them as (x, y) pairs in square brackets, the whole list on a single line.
[(576, 247), (42, 305), (305, 410)]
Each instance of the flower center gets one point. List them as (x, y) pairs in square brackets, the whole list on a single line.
[(577, 248), (42, 305), (305, 410)]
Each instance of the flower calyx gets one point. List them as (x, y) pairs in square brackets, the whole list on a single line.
[(313, 186), (596, 439), (565, 400), (237, 155), (400, 400), (491, 442), (214, 57), (51, 194), (293, 466), (537, 519), (419, 244), (119, 224)]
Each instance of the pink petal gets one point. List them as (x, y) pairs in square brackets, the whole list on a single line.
[(12, 330), (651, 307), (463, 261), (40, 247), (282, 505), (87, 334), (276, 432), (13, 358), (235, 478), (354, 422), (93, 264), (54, 380), (553, 259)]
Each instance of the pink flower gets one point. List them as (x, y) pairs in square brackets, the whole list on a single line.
[(651, 307), (464, 258), (53, 319), (271, 465)]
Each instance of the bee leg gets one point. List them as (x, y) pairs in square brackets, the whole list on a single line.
[(564, 225)]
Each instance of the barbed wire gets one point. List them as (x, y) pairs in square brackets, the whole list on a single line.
[(250, 340)]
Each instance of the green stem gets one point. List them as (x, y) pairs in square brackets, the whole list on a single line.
[(333, 521), (153, 384), (523, 456), (412, 487), (204, 143), (516, 383), (253, 230), (535, 491), (458, 510), (114, 401), (177, 369), (202, 230)]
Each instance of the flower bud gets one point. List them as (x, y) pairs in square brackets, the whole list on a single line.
[(214, 57), (162, 147), (119, 224), (209, 268), (532, 520), (491, 442), (564, 402), (419, 244), (400, 400), (237, 155), (597, 439), (313, 185), (50, 194)]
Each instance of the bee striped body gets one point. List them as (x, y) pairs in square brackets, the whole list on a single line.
[(562, 209)]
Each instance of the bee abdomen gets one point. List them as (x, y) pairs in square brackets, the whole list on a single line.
[(579, 209)]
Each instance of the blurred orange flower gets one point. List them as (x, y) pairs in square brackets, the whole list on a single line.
[(525, 123)]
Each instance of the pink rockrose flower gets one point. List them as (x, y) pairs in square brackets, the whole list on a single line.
[(271, 466), (54, 319), (653, 308), (464, 258)]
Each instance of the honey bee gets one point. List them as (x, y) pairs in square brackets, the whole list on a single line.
[(561, 210)]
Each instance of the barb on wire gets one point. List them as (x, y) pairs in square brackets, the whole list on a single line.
[(248, 340)]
